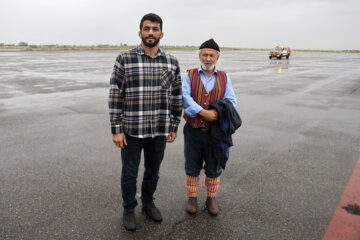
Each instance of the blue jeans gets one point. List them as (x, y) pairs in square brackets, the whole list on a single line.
[(197, 152), (154, 149)]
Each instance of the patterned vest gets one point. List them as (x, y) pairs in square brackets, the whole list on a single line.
[(203, 98)]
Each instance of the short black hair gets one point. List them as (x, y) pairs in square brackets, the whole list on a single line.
[(153, 18)]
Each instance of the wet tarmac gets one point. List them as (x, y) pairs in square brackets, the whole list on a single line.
[(291, 159)]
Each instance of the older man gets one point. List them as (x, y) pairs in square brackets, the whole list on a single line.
[(202, 87)]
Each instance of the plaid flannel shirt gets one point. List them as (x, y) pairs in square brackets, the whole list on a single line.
[(145, 96)]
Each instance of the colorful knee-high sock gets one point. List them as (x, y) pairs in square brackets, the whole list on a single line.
[(192, 186), (212, 185)]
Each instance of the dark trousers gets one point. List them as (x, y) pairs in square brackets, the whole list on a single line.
[(197, 152), (154, 149)]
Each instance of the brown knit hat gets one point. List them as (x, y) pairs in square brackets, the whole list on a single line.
[(210, 44)]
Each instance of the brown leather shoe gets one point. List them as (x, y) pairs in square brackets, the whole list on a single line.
[(192, 206), (212, 206)]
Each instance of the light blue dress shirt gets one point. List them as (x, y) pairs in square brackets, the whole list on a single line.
[(191, 108)]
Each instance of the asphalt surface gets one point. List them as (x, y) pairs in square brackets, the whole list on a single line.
[(291, 159)]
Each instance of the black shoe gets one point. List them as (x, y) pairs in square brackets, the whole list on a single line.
[(129, 220), (153, 213)]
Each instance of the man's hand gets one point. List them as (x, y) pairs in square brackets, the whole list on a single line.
[(209, 115), (119, 140), (171, 138)]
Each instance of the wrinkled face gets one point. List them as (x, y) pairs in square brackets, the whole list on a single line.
[(150, 33), (208, 58)]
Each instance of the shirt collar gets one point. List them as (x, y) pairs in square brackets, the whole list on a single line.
[(201, 70), (141, 51)]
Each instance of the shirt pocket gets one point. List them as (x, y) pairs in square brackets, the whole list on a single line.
[(166, 79)]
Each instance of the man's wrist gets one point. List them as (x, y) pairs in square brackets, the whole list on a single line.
[(116, 129), (202, 112), (173, 128)]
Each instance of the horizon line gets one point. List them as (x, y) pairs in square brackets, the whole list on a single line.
[(124, 45)]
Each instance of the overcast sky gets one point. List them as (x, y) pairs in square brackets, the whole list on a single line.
[(299, 24)]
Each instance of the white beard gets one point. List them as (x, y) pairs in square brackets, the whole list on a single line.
[(209, 68)]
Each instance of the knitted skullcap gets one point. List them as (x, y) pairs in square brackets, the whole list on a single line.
[(210, 44)]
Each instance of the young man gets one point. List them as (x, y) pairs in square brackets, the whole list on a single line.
[(201, 88), (145, 105)]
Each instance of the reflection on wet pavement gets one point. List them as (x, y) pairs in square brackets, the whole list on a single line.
[(60, 172), (280, 65), (30, 75)]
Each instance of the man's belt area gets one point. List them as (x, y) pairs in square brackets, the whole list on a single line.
[(204, 130)]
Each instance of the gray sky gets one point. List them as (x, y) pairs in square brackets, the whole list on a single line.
[(299, 24)]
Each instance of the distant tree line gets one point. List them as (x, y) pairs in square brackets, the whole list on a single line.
[(24, 46)]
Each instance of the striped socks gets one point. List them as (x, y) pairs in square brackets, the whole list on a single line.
[(212, 185), (192, 186)]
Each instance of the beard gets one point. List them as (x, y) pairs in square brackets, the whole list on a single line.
[(152, 44), (207, 67)]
